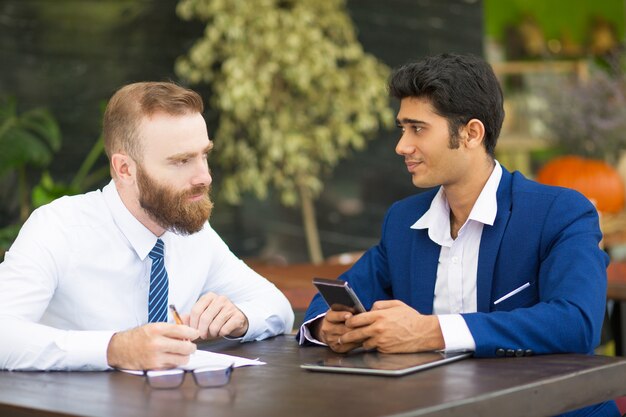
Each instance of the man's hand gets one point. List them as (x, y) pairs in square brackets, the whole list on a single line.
[(152, 346), (216, 316), (394, 327), (331, 328)]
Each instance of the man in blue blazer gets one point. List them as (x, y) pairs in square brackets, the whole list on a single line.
[(488, 260)]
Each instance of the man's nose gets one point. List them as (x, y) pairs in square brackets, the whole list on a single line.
[(404, 147), (203, 175)]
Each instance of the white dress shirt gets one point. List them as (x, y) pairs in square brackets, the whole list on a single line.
[(79, 271), (455, 286)]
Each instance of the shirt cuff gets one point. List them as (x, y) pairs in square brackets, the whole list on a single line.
[(305, 332), (86, 350), (264, 322), (456, 334)]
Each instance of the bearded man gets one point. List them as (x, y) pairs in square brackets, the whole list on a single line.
[(87, 283)]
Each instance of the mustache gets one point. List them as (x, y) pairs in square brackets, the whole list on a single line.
[(197, 189)]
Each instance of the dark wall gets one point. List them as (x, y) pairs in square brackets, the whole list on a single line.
[(398, 31), (70, 55)]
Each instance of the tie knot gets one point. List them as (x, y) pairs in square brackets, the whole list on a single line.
[(157, 250)]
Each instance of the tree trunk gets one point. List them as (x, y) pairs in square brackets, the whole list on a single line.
[(310, 227)]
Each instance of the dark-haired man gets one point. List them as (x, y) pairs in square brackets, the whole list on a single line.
[(87, 283), (486, 261)]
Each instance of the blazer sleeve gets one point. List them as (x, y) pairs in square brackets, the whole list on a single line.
[(369, 277), (570, 283)]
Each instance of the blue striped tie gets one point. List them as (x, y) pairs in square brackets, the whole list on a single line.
[(157, 300)]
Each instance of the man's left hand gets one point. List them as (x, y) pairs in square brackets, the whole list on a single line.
[(394, 327), (216, 316)]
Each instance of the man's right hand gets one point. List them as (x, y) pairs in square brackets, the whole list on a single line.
[(330, 328), (152, 346)]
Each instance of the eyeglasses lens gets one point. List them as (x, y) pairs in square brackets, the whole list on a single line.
[(212, 376), (171, 378)]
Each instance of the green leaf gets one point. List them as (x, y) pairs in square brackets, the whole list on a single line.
[(43, 125), (8, 235), (48, 190), (27, 139)]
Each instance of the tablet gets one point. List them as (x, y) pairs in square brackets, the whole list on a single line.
[(386, 364)]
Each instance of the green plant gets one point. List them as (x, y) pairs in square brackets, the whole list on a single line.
[(30, 140), (294, 92), (48, 189), (27, 140)]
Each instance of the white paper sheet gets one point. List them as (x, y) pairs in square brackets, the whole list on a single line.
[(202, 358)]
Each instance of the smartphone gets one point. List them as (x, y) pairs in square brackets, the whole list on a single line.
[(338, 295)]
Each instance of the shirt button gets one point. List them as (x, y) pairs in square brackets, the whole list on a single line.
[(455, 259)]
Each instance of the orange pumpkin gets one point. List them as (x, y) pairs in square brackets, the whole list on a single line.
[(595, 179)]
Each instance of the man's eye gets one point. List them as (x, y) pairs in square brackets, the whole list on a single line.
[(417, 129), (182, 161)]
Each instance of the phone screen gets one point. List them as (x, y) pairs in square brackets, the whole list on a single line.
[(338, 295)]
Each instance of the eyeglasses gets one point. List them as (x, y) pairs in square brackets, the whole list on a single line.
[(205, 377)]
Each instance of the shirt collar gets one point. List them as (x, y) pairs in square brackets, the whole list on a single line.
[(437, 218), (140, 238), (486, 206)]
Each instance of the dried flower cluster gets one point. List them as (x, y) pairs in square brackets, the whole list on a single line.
[(587, 117)]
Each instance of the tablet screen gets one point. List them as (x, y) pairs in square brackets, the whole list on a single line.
[(384, 363)]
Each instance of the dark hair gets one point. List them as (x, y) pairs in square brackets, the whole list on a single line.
[(134, 101), (459, 87)]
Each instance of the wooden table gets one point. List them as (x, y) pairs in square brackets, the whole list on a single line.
[(616, 291), (527, 386)]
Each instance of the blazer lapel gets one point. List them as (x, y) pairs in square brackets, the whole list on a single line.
[(490, 243), (423, 272)]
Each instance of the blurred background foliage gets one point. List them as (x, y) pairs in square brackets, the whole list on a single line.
[(28, 141), (67, 56), (28, 144), (568, 20), (294, 91), (586, 117)]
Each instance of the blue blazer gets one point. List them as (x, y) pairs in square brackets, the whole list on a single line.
[(543, 236)]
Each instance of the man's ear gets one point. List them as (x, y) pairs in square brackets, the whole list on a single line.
[(474, 133), (123, 166)]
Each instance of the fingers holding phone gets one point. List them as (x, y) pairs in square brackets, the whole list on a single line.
[(331, 328), (344, 304)]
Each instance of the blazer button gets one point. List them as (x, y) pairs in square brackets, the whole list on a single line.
[(500, 352), (510, 352), (528, 352), (519, 352)]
